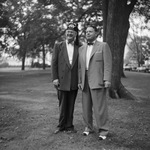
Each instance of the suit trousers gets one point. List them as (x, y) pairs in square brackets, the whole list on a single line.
[(95, 99), (66, 108)]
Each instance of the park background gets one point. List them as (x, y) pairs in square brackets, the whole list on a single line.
[(28, 101)]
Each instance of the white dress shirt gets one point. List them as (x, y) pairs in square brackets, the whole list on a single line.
[(88, 55), (70, 50)]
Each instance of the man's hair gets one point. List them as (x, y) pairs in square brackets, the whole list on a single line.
[(93, 25)]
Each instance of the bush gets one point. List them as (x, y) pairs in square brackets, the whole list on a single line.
[(38, 65), (5, 64)]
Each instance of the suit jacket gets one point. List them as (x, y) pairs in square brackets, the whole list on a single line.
[(62, 70), (100, 65)]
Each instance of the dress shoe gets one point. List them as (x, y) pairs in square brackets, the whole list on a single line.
[(71, 131), (58, 130), (87, 131), (102, 137)]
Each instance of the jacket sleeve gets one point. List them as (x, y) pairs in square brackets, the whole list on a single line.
[(54, 62), (107, 63), (79, 69)]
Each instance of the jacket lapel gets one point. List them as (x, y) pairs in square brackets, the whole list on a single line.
[(75, 55), (65, 54), (84, 54), (95, 47)]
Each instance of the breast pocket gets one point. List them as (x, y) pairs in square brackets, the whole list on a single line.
[(98, 57)]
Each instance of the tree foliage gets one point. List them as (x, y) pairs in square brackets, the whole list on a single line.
[(32, 27), (143, 9), (4, 21)]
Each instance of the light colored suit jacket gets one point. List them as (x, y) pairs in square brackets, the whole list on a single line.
[(62, 70), (100, 65)]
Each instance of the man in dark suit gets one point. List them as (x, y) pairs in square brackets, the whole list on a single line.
[(95, 65), (65, 77)]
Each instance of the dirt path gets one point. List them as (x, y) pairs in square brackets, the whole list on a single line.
[(29, 115)]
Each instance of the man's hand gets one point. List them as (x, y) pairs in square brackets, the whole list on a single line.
[(79, 86), (107, 84), (56, 83)]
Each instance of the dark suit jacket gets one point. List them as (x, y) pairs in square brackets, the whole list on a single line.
[(62, 70), (100, 65)]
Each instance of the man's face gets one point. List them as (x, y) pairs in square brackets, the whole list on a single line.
[(70, 35), (90, 34)]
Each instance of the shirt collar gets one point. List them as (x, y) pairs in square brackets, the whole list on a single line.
[(91, 43), (67, 42)]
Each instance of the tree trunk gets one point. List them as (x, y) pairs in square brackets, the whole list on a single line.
[(23, 61), (43, 50), (116, 35), (105, 14)]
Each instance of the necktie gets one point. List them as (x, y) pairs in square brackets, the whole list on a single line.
[(72, 42), (90, 43)]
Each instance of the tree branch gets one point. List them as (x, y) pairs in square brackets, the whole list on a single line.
[(131, 6)]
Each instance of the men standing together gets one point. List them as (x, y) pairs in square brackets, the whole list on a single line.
[(93, 72)]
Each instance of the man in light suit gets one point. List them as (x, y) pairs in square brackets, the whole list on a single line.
[(95, 65), (65, 77)]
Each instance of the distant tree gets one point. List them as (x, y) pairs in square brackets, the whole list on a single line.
[(32, 25), (139, 38), (139, 49), (44, 34)]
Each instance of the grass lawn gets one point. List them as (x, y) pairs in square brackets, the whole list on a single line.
[(29, 116)]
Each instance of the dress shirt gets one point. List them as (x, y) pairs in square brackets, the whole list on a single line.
[(88, 54), (70, 50)]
